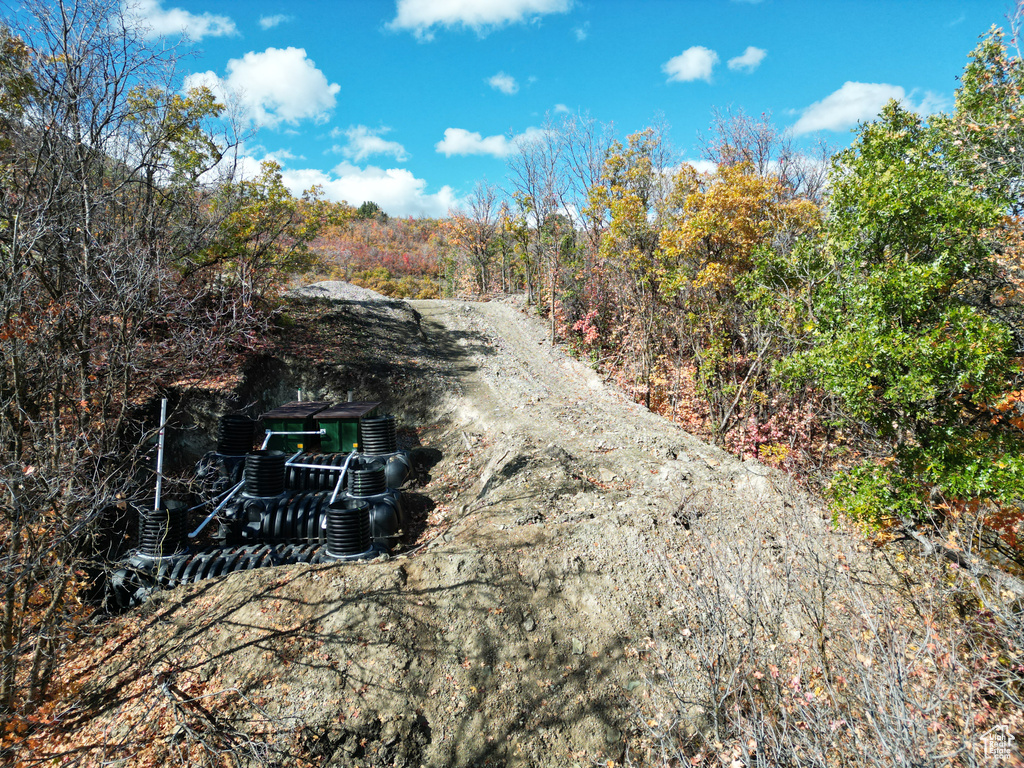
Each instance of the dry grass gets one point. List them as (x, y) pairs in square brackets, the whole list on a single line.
[(803, 646)]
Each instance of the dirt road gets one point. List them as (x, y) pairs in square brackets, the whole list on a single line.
[(516, 386)]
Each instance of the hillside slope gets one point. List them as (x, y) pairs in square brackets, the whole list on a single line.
[(536, 612)]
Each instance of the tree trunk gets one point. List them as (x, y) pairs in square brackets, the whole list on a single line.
[(553, 273)]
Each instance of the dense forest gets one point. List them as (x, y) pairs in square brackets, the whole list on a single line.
[(393, 256), (855, 319)]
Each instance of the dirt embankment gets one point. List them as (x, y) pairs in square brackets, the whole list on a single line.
[(514, 630)]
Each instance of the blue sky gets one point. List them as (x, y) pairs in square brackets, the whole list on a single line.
[(410, 102)]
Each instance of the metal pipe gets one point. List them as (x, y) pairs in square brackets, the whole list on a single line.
[(202, 504), (324, 467), (341, 478), (160, 455), (266, 439), (213, 514)]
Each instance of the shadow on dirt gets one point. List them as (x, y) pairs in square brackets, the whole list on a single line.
[(401, 663)]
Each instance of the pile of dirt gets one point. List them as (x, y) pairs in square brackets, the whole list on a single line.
[(337, 290), (514, 627)]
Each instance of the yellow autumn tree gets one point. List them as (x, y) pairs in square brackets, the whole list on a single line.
[(630, 199), (716, 225)]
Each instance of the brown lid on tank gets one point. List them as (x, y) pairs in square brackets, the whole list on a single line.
[(301, 409), (346, 411)]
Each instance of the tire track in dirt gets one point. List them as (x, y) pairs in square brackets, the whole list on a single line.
[(514, 381)]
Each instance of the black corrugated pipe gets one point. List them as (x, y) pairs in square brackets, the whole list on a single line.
[(297, 518), (133, 584), (368, 478), (235, 433), (162, 531), (264, 473), (310, 471), (348, 530), (378, 435)]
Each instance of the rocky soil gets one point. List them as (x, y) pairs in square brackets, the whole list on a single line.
[(519, 623)]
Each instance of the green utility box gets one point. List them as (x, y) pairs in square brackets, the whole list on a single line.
[(295, 418), (341, 424)]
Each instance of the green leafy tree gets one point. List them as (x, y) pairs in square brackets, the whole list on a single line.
[(370, 210), (896, 334), (265, 232), (987, 126), (716, 225), (17, 86)]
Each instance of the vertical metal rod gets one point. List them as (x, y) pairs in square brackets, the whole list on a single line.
[(160, 454)]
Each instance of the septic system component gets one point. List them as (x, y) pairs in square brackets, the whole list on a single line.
[(264, 473), (281, 502), (348, 530), (342, 424), (291, 427), (133, 583), (314, 471), (235, 434), (367, 481), (379, 435), (162, 531)]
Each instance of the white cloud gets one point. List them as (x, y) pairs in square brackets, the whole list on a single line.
[(703, 166), (847, 106), (856, 102), (153, 20), (421, 16), (281, 156), (581, 32), (279, 85), (562, 108), (245, 166), (396, 190), (749, 60), (931, 103), (459, 141), (504, 83), (269, 22), (365, 142), (694, 63)]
